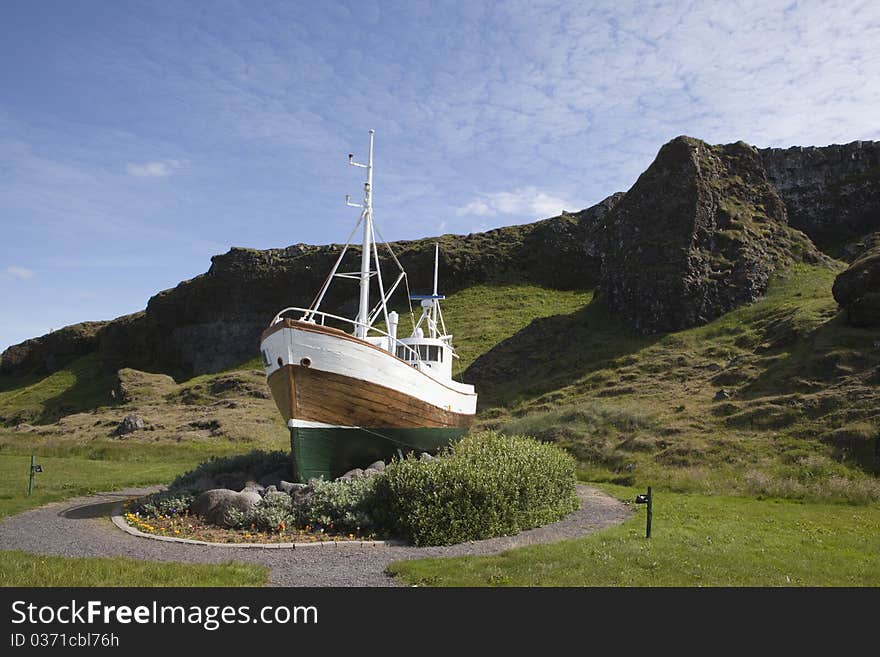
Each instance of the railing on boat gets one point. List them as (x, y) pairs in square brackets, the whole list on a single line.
[(309, 315)]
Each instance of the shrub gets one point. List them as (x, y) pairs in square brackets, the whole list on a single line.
[(256, 463), (344, 505), (486, 485), (164, 503)]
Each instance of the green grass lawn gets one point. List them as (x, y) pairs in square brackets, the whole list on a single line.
[(698, 540), (64, 477), (22, 569)]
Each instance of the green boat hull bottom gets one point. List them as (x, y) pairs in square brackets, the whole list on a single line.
[(329, 452)]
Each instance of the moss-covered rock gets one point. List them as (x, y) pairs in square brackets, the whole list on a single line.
[(697, 235), (857, 289)]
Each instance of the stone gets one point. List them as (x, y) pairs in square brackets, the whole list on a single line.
[(857, 289), (300, 494), (372, 472), (377, 465), (271, 490), (129, 424), (424, 457), (212, 505), (286, 486), (351, 474), (254, 486), (722, 394)]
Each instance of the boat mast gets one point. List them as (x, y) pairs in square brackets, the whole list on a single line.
[(363, 317), (435, 305)]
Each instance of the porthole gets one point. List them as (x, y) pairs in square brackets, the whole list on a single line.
[(305, 361), (280, 362)]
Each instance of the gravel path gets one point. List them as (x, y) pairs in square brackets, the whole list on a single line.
[(81, 527)]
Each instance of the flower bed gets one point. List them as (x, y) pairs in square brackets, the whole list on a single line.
[(486, 485), (195, 528)]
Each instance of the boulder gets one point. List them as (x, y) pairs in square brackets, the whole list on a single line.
[(722, 394), (857, 290), (424, 457), (213, 505), (286, 486), (351, 474), (254, 487), (129, 424), (378, 465)]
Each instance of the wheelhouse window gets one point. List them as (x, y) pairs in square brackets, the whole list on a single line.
[(427, 352)]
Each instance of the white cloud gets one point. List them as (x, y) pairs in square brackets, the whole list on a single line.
[(21, 273), (157, 169), (526, 201)]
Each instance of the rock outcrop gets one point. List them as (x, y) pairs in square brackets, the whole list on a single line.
[(214, 321), (832, 193), (52, 351), (698, 234), (857, 289)]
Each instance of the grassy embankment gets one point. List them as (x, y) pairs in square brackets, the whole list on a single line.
[(801, 420)]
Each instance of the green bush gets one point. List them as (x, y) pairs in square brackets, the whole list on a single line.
[(274, 513), (255, 463), (164, 503), (342, 506), (486, 485)]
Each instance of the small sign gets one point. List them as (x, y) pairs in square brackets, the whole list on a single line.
[(38, 468)]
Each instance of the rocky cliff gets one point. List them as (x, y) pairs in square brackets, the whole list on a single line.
[(832, 193), (697, 235), (214, 321)]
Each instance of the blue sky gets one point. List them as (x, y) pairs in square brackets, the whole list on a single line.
[(137, 139)]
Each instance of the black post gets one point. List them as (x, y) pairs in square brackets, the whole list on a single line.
[(31, 476), (648, 528)]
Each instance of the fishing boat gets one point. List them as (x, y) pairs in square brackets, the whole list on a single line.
[(351, 393)]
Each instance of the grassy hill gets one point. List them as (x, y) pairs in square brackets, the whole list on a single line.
[(777, 398)]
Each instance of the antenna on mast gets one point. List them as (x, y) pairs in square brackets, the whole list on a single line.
[(436, 264)]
